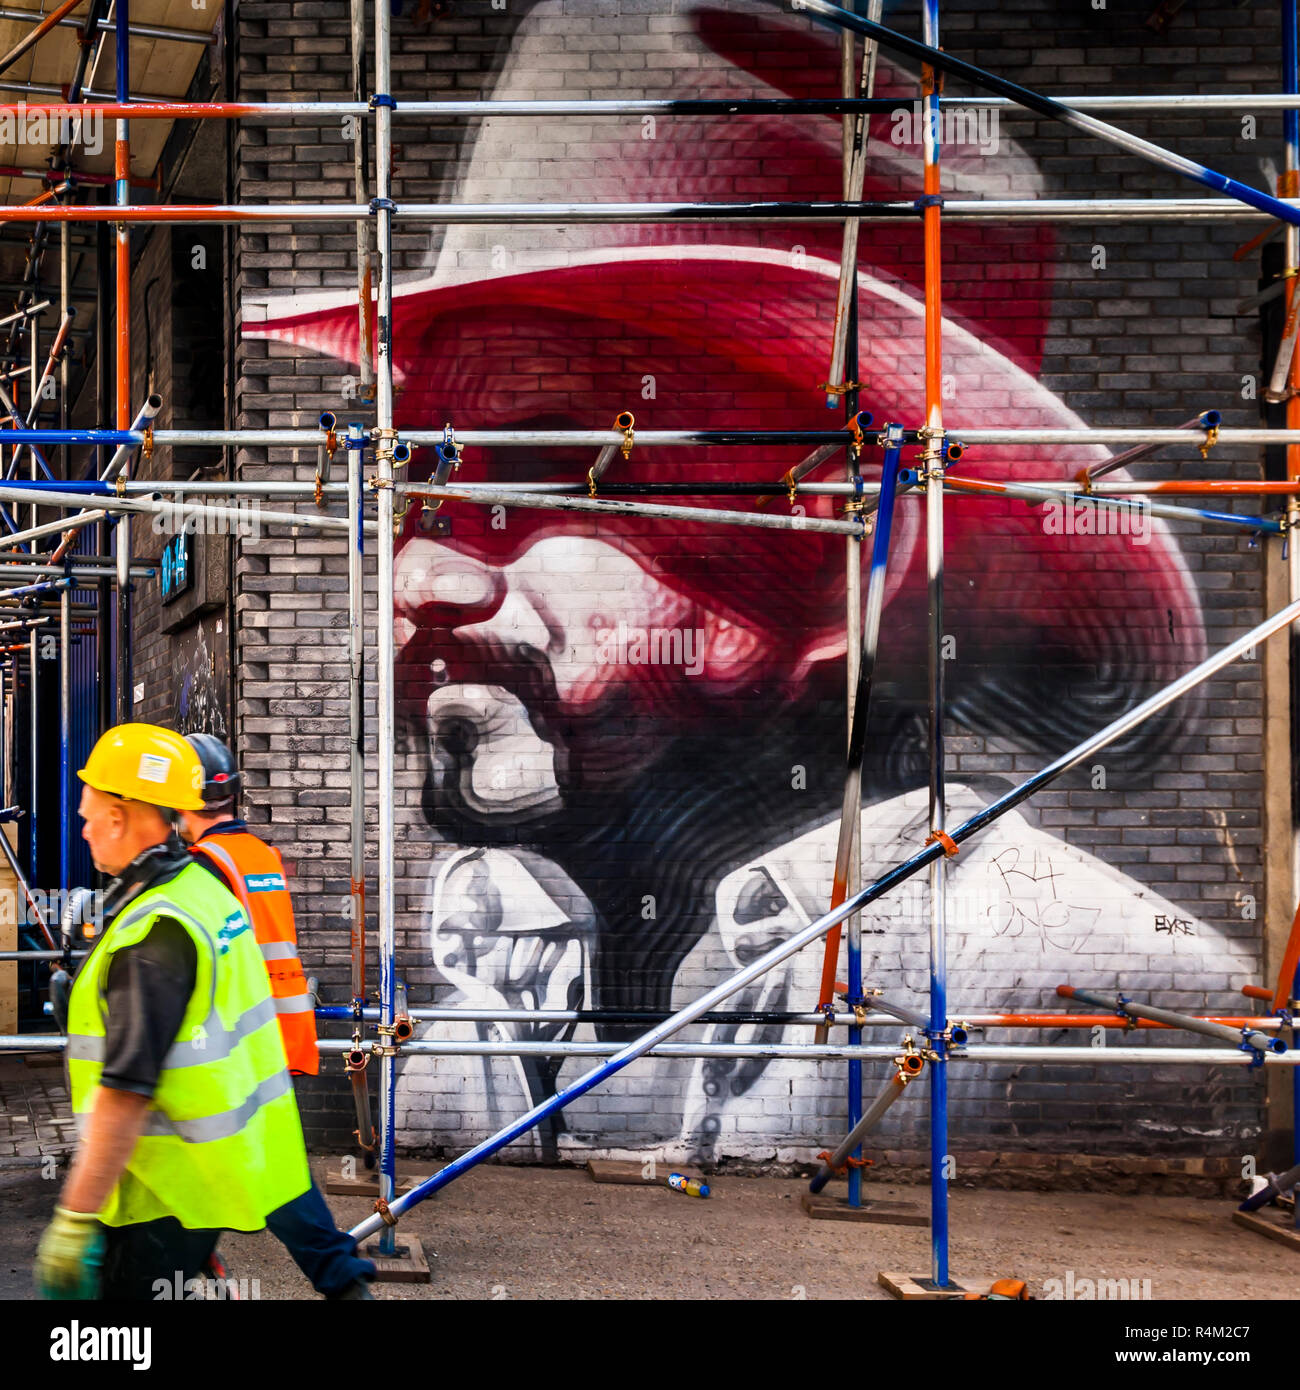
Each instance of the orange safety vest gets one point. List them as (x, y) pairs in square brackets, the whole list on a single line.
[(255, 873)]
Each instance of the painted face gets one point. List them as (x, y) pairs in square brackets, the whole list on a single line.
[(698, 325)]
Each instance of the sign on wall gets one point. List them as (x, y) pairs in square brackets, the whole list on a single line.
[(177, 566)]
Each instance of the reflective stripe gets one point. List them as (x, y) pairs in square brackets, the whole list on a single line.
[(295, 1004), (214, 1043), (223, 858), (211, 1043), (84, 1047), (279, 950), (228, 1123)]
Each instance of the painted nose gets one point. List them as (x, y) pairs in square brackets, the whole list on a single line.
[(437, 587)]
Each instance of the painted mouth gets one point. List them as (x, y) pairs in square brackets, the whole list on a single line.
[(486, 755)]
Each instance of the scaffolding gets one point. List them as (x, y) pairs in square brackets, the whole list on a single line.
[(935, 1037)]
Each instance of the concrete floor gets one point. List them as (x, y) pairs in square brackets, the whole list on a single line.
[(525, 1233)]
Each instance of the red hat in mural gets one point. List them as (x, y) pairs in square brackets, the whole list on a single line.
[(727, 325)]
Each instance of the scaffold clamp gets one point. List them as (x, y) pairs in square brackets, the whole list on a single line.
[(1255, 1054), (941, 837), (383, 1210), (385, 440), (383, 99), (932, 78), (849, 1162), (910, 1062)]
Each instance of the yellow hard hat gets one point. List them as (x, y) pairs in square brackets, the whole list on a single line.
[(144, 762)]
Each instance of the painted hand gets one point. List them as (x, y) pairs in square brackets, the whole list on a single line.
[(69, 1256)]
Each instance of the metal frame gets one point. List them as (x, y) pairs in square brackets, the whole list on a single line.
[(115, 494)]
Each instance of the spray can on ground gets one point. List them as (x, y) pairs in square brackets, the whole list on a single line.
[(692, 1187)]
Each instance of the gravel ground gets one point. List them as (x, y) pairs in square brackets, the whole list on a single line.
[(527, 1233)]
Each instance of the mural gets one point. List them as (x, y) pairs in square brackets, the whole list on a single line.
[(633, 731)]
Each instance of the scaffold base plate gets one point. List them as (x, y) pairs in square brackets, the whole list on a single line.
[(1277, 1226), (363, 1183), (407, 1265), (882, 1213), (911, 1287)]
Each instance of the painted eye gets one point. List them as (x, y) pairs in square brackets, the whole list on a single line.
[(759, 899)]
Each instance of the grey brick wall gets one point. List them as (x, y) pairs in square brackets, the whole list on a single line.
[(1153, 337)]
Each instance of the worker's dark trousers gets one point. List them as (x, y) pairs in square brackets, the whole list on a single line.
[(326, 1255), (152, 1259)]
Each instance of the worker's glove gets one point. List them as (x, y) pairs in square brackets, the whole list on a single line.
[(70, 1254)]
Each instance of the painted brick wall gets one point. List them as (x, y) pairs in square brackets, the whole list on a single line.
[(1153, 336)]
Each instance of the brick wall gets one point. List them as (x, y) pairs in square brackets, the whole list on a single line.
[(662, 794)]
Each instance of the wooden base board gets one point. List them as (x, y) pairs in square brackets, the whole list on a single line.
[(408, 1266), (916, 1287), (1275, 1225), (364, 1183), (43, 1059), (822, 1208), (630, 1172)]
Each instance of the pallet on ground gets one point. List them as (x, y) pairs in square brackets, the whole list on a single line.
[(1276, 1225)]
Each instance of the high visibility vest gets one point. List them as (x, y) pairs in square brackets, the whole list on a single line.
[(256, 874), (222, 1145)]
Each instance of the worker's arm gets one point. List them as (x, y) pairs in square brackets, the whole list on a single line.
[(71, 1252), (115, 1122), (146, 993)]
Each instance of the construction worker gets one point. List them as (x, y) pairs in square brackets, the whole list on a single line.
[(184, 1106), (254, 872)]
